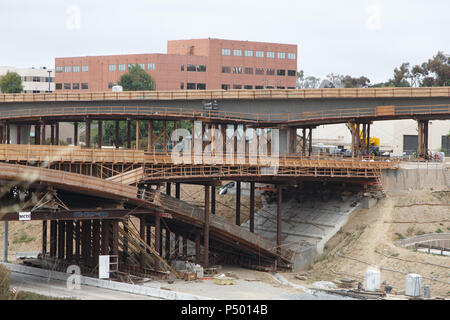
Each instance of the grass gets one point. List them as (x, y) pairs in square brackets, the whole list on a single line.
[(23, 239), (399, 236), (438, 230)]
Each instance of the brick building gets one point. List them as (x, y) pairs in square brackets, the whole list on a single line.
[(197, 64)]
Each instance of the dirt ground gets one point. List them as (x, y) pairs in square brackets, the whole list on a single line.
[(369, 236)]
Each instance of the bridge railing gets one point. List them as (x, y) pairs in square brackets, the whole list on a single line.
[(231, 94)]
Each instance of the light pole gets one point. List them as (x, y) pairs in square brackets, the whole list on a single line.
[(49, 80)]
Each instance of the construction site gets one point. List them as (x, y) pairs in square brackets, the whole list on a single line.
[(200, 194)]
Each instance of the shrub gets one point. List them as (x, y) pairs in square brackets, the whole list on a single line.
[(4, 282)]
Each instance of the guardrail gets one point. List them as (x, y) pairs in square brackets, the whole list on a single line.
[(230, 94), (434, 239)]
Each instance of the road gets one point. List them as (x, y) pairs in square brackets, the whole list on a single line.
[(57, 288)]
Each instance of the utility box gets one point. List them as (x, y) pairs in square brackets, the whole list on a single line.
[(413, 285)]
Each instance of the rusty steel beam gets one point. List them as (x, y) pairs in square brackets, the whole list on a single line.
[(206, 227), (44, 237), (252, 207), (75, 134), (69, 240), (105, 239), (279, 221), (238, 203), (77, 240), (53, 237)]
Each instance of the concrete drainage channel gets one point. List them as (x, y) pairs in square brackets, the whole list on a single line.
[(106, 284)]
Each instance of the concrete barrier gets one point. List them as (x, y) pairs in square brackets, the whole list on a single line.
[(106, 284), (419, 178)]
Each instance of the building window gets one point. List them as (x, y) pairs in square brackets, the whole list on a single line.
[(237, 52), (259, 54), (249, 53), (292, 56), (225, 86), (281, 88), (190, 86), (76, 69), (226, 52), (281, 72), (201, 86), (58, 86), (49, 79), (75, 86), (270, 72), (259, 87), (59, 69), (112, 67), (130, 65), (84, 86), (66, 86), (67, 68), (270, 87), (237, 86), (142, 65), (122, 67), (201, 68), (237, 70), (281, 55), (271, 55), (248, 70), (151, 66), (182, 85), (292, 73), (191, 67), (36, 79), (259, 71), (84, 68), (226, 69), (182, 67), (248, 87), (292, 88)]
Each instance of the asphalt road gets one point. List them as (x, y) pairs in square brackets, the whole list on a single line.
[(57, 288)]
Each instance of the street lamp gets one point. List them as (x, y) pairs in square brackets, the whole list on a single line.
[(49, 80)]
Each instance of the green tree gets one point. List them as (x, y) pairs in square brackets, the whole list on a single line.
[(11, 83), (136, 79)]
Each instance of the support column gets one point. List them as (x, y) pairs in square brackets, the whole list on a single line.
[(252, 207), (52, 134), (75, 134), (158, 234), (168, 188), (105, 237), (206, 228), (8, 134), (44, 238), (117, 143), (69, 240), (279, 220), (238, 203), (18, 126), (77, 240), (128, 133), (310, 142), (37, 134), (213, 200), (177, 190), (43, 134), (167, 246), (61, 238), (5, 242), (125, 242), (304, 143), (95, 241), (88, 133), (422, 149), (57, 133), (53, 237), (150, 136), (100, 133), (115, 242), (137, 134)]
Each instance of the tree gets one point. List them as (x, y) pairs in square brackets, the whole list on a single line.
[(439, 65), (136, 79), (11, 83), (401, 75)]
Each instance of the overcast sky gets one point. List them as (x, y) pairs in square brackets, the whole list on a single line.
[(365, 37)]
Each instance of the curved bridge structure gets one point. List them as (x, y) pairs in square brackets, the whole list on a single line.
[(116, 183)]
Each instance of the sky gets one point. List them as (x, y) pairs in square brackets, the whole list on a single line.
[(365, 37)]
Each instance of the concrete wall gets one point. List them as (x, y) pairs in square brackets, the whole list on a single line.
[(414, 178)]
